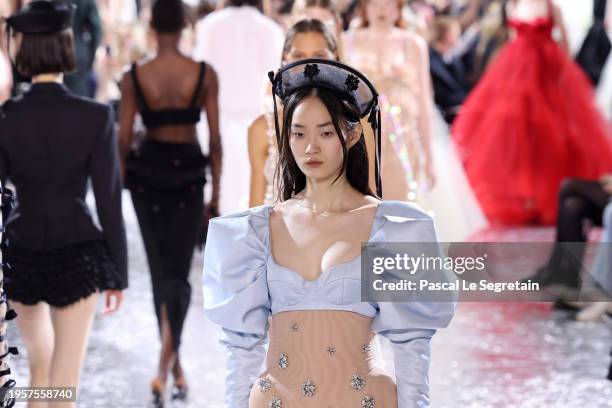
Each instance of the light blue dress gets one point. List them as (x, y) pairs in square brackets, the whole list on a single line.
[(243, 286)]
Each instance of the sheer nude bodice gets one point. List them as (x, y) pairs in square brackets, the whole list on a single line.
[(322, 359), (391, 65)]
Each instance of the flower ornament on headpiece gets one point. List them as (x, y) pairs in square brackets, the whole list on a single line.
[(347, 83), (352, 82), (310, 70)]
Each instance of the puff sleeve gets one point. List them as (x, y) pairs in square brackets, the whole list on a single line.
[(410, 325), (236, 297)]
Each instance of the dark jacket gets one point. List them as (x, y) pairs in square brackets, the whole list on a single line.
[(449, 83), (51, 143)]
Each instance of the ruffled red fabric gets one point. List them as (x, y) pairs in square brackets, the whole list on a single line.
[(530, 123)]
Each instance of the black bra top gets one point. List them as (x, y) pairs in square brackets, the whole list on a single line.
[(162, 117)]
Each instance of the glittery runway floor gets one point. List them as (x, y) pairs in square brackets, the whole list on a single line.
[(492, 355)]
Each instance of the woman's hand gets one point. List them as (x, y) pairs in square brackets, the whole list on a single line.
[(211, 210), (113, 301)]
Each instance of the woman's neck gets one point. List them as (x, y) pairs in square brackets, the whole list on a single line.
[(53, 77), (380, 29), (168, 44), (327, 196)]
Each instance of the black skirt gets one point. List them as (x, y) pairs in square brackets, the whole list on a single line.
[(166, 182), (166, 172), (61, 276)]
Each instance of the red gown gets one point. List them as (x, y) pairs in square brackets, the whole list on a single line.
[(530, 123)]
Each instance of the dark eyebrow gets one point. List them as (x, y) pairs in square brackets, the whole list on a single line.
[(297, 125)]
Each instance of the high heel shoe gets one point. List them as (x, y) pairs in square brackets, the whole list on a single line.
[(157, 391), (179, 391)]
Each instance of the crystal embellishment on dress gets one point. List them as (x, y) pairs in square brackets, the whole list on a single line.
[(310, 70), (365, 348), (308, 388), (352, 82), (368, 402), (283, 361), (276, 402), (264, 384), (294, 326), (331, 350), (357, 382)]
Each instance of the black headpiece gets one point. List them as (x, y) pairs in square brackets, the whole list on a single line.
[(42, 17), (346, 82)]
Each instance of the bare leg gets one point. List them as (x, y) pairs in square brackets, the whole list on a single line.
[(166, 355), (36, 330), (72, 325), (177, 370), (594, 311), (179, 391)]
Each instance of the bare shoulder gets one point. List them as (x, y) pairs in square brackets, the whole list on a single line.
[(280, 211), (257, 135), (126, 78), (258, 126), (211, 82), (139, 65), (211, 74), (372, 201), (366, 203)]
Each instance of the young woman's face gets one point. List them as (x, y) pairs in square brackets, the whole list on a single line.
[(382, 13), (313, 140), (308, 45)]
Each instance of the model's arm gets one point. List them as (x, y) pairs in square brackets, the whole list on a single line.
[(410, 322), (236, 297), (245, 356), (425, 105), (6, 79), (126, 118), (412, 353), (258, 153), (106, 184), (211, 105)]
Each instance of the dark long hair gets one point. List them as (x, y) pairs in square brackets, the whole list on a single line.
[(345, 118)]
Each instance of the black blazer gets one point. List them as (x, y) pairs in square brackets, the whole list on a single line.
[(51, 143), (449, 83)]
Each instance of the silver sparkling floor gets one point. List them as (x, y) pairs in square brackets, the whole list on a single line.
[(492, 355)]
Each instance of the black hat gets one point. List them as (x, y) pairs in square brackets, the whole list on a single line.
[(42, 17), (346, 82)]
